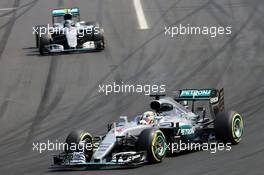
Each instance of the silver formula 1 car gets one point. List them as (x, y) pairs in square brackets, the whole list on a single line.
[(68, 33), (146, 138)]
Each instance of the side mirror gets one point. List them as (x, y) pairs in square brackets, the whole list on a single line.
[(82, 22), (122, 120)]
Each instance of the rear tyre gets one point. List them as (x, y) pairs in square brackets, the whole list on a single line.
[(154, 143), (78, 141), (229, 127), (92, 23)]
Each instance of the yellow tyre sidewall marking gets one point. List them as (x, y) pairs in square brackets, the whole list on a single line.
[(153, 145), (85, 134)]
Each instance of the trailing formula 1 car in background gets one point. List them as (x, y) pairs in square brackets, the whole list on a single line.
[(146, 138), (68, 33)]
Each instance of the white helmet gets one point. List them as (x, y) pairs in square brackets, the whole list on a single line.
[(148, 117)]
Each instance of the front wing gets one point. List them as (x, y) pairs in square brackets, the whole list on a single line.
[(65, 161), (58, 48)]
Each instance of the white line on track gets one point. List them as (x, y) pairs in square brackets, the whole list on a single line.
[(140, 15), (6, 9)]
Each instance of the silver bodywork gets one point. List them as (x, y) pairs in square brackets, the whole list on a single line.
[(71, 34), (178, 114)]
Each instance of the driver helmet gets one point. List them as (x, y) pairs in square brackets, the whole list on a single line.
[(148, 117), (68, 16)]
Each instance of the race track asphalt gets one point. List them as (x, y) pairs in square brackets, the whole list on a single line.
[(46, 97)]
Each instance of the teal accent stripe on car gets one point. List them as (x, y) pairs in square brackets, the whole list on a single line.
[(196, 93), (64, 11)]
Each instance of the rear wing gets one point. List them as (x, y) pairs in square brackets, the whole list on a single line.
[(214, 96), (196, 94), (61, 12)]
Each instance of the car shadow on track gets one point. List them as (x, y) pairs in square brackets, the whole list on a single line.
[(33, 51), (172, 155)]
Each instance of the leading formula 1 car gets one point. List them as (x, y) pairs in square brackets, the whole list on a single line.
[(68, 33), (146, 138)]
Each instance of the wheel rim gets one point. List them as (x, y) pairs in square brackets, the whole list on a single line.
[(88, 146), (238, 127), (159, 146)]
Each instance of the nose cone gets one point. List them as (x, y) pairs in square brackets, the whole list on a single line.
[(71, 36), (105, 146)]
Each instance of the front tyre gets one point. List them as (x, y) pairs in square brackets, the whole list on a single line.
[(44, 40), (39, 29), (100, 45), (37, 40), (80, 141), (229, 127), (154, 143)]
